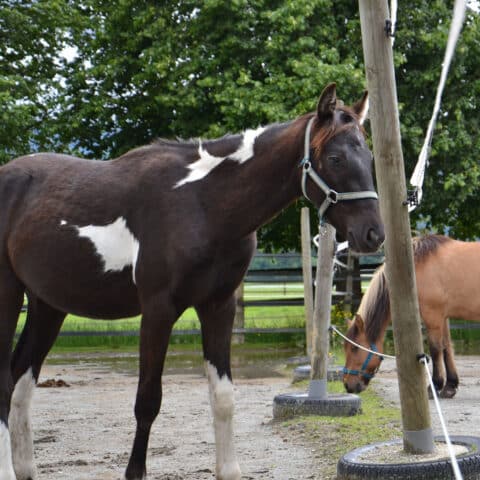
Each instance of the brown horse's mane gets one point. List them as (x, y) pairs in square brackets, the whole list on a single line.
[(375, 305)]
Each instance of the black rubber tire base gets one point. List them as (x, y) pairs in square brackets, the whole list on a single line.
[(288, 405), (349, 468)]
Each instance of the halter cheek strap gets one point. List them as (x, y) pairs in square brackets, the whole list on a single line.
[(331, 196), (363, 369)]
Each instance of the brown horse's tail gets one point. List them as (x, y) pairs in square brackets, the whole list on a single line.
[(375, 306)]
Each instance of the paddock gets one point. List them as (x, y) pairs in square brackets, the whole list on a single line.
[(79, 436)]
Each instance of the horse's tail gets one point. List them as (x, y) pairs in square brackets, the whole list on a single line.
[(375, 305)]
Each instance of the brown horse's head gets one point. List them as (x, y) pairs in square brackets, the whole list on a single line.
[(343, 160), (360, 365)]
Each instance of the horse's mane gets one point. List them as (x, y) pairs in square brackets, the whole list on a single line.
[(426, 245), (375, 305)]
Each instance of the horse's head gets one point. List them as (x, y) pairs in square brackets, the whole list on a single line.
[(342, 162), (360, 365)]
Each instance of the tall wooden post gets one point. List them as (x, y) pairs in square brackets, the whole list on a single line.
[(307, 275), (377, 49), (322, 311)]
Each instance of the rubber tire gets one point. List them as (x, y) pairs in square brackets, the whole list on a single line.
[(348, 468), (288, 405)]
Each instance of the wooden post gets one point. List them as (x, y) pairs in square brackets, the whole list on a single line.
[(239, 320), (348, 304), (307, 275), (377, 49), (321, 312)]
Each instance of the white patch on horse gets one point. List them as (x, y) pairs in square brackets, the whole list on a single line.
[(202, 167), (245, 151), (6, 466), (222, 403), (20, 427), (63, 222), (114, 243), (207, 162)]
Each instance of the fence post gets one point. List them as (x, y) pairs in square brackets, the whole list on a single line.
[(239, 320), (390, 171), (307, 276)]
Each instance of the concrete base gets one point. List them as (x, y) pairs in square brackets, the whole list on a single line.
[(288, 405), (334, 373)]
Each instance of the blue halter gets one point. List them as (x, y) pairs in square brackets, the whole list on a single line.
[(362, 370)]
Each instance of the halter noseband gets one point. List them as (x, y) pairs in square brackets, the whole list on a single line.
[(363, 369), (331, 196)]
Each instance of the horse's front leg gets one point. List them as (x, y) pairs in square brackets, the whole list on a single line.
[(158, 317), (435, 342), (217, 320), (451, 385)]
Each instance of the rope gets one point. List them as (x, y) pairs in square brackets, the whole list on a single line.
[(456, 469), (418, 174), (361, 347), (393, 19)]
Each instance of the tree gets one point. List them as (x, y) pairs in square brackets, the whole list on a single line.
[(32, 34), (193, 68)]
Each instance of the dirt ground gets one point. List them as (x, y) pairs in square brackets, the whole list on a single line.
[(85, 431)]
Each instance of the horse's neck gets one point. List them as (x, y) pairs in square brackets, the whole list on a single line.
[(246, 196)]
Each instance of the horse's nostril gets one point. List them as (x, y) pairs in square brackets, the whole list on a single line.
[(374, 238)]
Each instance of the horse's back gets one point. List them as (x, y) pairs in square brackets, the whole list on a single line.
[(447, 280)]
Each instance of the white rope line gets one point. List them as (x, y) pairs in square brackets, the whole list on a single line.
[(393, 19), (361, 347), (456, 469), (418, 174)]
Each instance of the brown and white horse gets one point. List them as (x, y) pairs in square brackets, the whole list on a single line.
[(447, 275), (162, 228)]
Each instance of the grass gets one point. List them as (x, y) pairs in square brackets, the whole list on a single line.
[(332, 437)]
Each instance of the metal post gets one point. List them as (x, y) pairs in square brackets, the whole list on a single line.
[(417, 432)]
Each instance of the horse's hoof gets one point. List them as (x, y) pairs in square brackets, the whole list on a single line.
[(448, 392), (229, 471), (430, 394)]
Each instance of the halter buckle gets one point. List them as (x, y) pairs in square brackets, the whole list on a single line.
[(333, 196)]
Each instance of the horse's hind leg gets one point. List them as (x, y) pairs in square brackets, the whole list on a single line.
[(11, 300), (217, 320), (451, 385), (40, 331)]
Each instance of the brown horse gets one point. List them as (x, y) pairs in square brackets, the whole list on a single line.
[(447, 276), (155, 231)]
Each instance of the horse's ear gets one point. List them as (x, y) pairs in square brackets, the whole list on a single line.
[(327, 102), (359, 322), (361, 107), (349, 323)]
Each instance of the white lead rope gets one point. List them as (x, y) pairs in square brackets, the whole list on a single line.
[(361, 347), (418, 174), (456, 468)]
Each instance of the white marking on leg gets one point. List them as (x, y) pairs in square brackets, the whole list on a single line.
[(115, 244), (20, 427), (207, 162), (6, 466), (221, 400)]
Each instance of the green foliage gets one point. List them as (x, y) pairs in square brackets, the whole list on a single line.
[(204, 68)]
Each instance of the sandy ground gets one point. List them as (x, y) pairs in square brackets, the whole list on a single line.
[(461, 414), (85, 431)]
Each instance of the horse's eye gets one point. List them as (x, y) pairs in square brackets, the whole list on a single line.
[(334, 159), (354, 348)]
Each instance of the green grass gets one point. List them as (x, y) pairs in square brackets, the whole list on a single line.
[(332, 437)]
